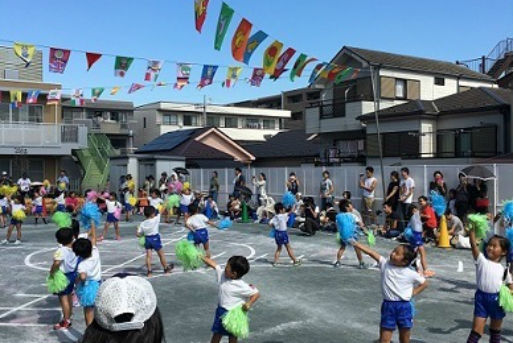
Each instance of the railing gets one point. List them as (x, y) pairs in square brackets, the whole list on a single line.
[(337, 107), (23, 134), (485, 63)]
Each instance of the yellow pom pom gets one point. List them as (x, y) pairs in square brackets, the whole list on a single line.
[(132, 201), (62, 186), (186, 185), (160, 208), (46, 183), (19, 215)]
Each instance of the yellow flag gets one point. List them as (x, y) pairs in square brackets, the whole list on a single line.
[(25, 52), (115, 90), (270, 57), (15, 98)]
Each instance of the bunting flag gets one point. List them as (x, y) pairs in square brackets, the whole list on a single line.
[(121, 65), (232, 76), (159, 84), (152, 70), (299, 65), (341, 76), (25, 52), (200, 13), (135, 87), (114, 90), (91, 58), (316, 71), (333, 73), (208, 72), (355, 73), (15, 98), (77, 98), (53, 97), (257, 76), (95, 93), (328, 68), (183, 72), (224, 19), (57, 60), (282, 61), (240, 39), (32, 96), (252, 44), (271, 57)]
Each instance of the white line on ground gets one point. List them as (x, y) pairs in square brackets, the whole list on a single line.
[(30, 295), (220, 254), (27, 304), (71, 336), (33, 308), (258, 258), (24, 324)]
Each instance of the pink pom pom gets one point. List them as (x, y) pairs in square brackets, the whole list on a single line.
[(178, 186), (42, 191), (106, 195), (33, 209), (117, 213), (91, 196)]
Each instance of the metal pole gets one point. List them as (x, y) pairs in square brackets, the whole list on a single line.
[(375, 105), (204, 110)]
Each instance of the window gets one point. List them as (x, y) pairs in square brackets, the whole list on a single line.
[(297, 115), (251, 123), (387, 87), (400, 89), (468, 142), (293, 99), (268, 124), (439, 81), (169, 119), (144, 123), (190, 120), (114, 116), (36, 114), (394, 144), (4, 112), (213, 121), (313, 96), (231, 122)]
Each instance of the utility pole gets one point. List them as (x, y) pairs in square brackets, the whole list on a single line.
[(204, 110)]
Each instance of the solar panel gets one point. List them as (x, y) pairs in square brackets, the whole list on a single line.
[(168, 141)]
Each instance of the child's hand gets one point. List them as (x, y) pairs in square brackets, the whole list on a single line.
[(246, 307)]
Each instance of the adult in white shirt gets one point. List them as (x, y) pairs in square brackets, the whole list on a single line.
[(260, 183), (407, 186), (368, 185), (24, 184)]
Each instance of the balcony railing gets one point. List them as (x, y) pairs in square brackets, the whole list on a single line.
[(101, 126), (23, 134), (337, 107)]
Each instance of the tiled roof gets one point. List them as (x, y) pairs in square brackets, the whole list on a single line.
[(292, 143)]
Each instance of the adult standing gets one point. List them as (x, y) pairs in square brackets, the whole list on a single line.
[(5, 179), (393, 191), (368, 183), (326, 190), (214, 186), (462, 197), (407, 186), (438, 184), (239, 182), (63, 178), (260, 183), (293, 184), (163, 181), (24, 184)]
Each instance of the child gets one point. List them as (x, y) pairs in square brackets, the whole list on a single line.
[(65, 260), (346, 208), (428, 218), (89, 272), (232, 292), (399, 284), (149, 228), (60, 201), (490, 275), (197, 224), (16, 205), (279, 223), (112, 206), (155, 199), (417, 239), (38, 203), (142, 196), (72, 203), (210, 208), (185, 200), (128, 206), (4, 206)]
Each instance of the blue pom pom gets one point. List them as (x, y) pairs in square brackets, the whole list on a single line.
[(413, 307), (509, 234), (190, 236), (408, 234), (90, 212), (291, 219), (288, 200), (225, 223), (271, 234), (86, 292), (346, 225), (508, 211), (438, 203)]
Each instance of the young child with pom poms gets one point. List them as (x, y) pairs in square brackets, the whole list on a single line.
[(279, 225), (37, 202), (18, 215), (197, 224)]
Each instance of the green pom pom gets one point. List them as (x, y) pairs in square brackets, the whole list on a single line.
[(173, 201), (338, 238), (480, 224), (57, 282), (235, 321), (61, 219), (505, 298), (189, 255), (371, 239), (141, 241)]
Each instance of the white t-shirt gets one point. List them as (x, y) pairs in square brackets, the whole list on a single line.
[(92, 266), (232, 293), (368, 182), (4, 202), (60, 199), (279, 221), (358, 217), (398, 282), (150, 226), (198, 221), (111, 206), (67, 257), (186, 199), (489, 274), (459, 227), (405, 186), (24, 184), (16, 207), (415, 222), (38, 201), (155, 202)]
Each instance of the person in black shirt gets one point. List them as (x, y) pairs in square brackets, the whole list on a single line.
[(393, 191), (393, 224)]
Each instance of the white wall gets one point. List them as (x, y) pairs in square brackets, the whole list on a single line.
[(144, 135)]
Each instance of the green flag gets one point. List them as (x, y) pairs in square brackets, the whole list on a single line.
[(121, 65), (223, 23), (342, 75)]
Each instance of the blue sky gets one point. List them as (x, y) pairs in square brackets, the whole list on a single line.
[(164, 29)]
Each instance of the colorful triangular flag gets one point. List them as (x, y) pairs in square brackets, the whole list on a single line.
[(224, 19), (53, 97), (152, 70), (77, 98), (24, 51), (115, 90), (135, 87), (32, 96), (208, 72), (96, 92), (121, 65), (200, 13), (240, 39), (183, 73), (15, 96), (91, 58), (57, 60), (232, 76)]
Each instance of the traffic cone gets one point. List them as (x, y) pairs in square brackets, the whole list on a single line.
[(244, 215), (444, 239)]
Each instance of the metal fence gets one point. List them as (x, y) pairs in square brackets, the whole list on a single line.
[(347, 178)]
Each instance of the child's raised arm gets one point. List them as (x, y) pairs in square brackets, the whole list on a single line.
[(473, 241), (420, 288), (372, 253), (92, 233), (210, 262), (251, 301)]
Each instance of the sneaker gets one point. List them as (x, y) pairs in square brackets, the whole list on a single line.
[(17, 242), (4, 242), (274, 264), (62, 325), (297, 262), (337, 264), (363, 265), (169, 268)]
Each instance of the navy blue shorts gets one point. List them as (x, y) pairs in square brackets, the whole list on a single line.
[(39, 210), (4, 209), (281, 237), (71, 278), (111, 218), (201, 236), (217, 325), (184, 209), (396, 313), (417, 239), (61, 208), (153, 242), (128, 207), (487, 305), (15, 222)]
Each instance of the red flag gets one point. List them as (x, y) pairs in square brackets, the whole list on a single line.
[(92, 58), (240, 39), (135, 87), (200, 13), (282, 61)]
